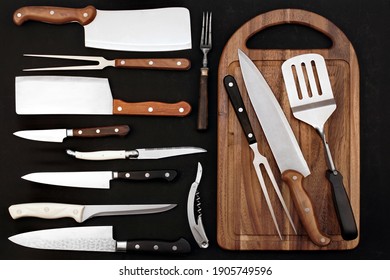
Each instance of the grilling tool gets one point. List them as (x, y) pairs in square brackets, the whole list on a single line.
[(148, 153), (196, 226), (283, 144), (81, 213), (93, 238), (239, 107), (139, 63), (85, 96), (164, 29), (96, 179), (58, 135), (311, 99)]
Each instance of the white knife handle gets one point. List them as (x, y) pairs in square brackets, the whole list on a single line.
[(99, 155), (47, 211)]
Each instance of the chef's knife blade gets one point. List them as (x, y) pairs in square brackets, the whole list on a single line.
[(80, 213), (93, 238), (148, 153), (164, 29), (58, 135), (283, 144), (47, 95), (96, 179)]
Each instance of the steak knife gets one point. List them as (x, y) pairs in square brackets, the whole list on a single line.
[(58, 135), (96, 179), (93, 238), (80, 213), (283, 144)]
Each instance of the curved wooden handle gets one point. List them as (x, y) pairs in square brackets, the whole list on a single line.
[(304, 207), (151, 108), (117, 130), (54, 15), (154, 63)]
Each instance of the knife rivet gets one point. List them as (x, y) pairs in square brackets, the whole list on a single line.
[(80, 132), (123, 62), (322, 240), (174, 248), (19, 14), (230, 84), (75, 211), (294, 178), (147, 175), (127, 175), (137, 246), (97, 131), (19, 211), (250, 135), (116, 130), (46, 209), (167, 175), (150, 109), (155, 247), (51, 12), (151, 62), (119, 108), (181, 110), (240, 110), (307, 210), (85, 15), (178, 63)]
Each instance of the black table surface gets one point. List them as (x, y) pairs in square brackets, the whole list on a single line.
[(365, 23)]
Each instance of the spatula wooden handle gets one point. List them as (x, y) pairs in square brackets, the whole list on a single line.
[(54, 15), (154, 63), (151, 108), (304, 207)]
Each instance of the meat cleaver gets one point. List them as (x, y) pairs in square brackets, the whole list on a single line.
[(163, 29), (48, 95)]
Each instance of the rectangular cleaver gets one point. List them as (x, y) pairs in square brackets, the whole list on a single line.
[(48, 95), (164, 29)]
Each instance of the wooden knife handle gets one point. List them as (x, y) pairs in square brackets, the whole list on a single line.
[(117, 130), (168, 175), (179, 246), (203, 111), (54, 15), (304, 207), (154, 63), (151, 108)]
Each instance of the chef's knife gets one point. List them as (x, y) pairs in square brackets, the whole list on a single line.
[(164, 29), (93, 238), (95, 179), (80, 213), (58, 135), (83, 95), (283, 144), (148, 153)]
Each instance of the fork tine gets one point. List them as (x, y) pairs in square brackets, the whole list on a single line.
[(209, 31), (203, 31)]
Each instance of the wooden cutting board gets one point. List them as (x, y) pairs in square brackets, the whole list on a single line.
[(244, 221)]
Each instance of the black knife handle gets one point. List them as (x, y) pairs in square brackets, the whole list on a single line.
[(179, 246), (239, 107), (168, 175), (342, 206)]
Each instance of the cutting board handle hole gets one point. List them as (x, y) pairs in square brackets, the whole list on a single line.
[(289, 36)]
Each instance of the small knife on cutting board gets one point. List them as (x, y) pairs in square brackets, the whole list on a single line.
[(283, 144), (163, 29), (93, 238), (48, 95), (58, 135), (81, 213), (148, 153), (96, 179)]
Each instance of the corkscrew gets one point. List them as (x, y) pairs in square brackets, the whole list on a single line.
[(194, 199)]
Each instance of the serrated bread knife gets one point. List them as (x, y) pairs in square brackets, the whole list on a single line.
[(163, 29), (96, 179), (283, 144), (93, 238), (81, 213), (58, 135), (48, 95)]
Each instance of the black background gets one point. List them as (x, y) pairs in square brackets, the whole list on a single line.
[(365, 23)]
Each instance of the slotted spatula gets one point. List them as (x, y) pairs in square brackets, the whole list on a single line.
[(311, 100)]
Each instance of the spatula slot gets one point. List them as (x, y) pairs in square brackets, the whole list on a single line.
[(296, 81), (316, 77)]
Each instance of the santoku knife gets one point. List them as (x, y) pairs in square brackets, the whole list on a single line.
[(94, 238), (80, 213), (47, 95), (96, 179), (148, 153), (283, 144), (164, 29), (58, 135)]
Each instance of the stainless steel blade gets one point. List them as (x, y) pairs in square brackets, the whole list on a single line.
[(112, 210), (165, 29), (278, 132), (87, 179), (157, 153), (98, 239), (49, 135), (63, 95)]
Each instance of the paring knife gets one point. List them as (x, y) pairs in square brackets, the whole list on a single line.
[(80, 213), (283, 144), (47, 95), (58, 135), (96, 239), (148, 153), (96, 179), (164, 29)]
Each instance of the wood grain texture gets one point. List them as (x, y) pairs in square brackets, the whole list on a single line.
[(151, 108), (244, 222), (103, 131), (154, 63)]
